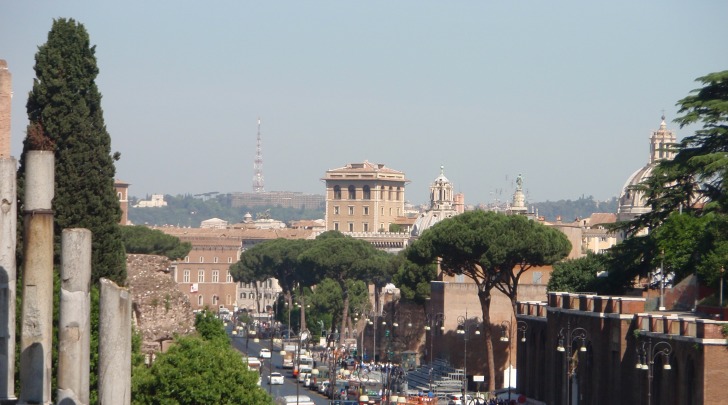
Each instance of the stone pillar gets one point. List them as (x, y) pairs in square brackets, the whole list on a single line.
[(37, 307), (6, 92), (114, 344), (8, 276), (74, 328)]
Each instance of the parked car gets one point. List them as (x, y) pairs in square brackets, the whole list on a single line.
[(264, 353), (303, 376), (275, 379), (323, 386), (457, 399), (294, 399)]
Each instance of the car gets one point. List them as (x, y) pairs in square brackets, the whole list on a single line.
[(294, 399), (457, 399), (302, 376), (275, 379), (264, 353)]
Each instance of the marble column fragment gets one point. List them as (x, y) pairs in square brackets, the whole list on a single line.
[(114, 344), (8, 277), (37, 306), (8, 241), (74, 326)]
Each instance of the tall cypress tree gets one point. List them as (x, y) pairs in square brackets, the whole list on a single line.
[(64, 110)]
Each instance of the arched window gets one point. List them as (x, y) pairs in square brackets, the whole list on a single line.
[(337, 193), (352, 193), (200, 300), (367, 194)]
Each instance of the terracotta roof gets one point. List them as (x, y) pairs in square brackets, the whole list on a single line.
[(236, 234), (599, 218)]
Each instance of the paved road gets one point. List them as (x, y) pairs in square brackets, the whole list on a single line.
[(289, 387)]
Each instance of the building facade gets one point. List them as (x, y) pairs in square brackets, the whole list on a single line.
[(204, 275), (588, 349), (363, 197), (122, 193)]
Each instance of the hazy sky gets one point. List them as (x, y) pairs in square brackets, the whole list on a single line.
[(564, 92)]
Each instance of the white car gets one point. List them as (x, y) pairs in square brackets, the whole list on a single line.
[(275, 379), (303, 376), (264, 353), (457, 399)]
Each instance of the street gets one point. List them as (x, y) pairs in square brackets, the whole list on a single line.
[(289, 387)]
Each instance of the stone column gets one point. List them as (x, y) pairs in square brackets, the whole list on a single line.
[(74, 329), (6, 93), (37, 307), (8, 277), (114, 344)]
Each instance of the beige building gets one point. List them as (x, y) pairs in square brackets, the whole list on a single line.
[(204, 275), (363, 197)]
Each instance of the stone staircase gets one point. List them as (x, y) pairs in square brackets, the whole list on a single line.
[(445, 379)]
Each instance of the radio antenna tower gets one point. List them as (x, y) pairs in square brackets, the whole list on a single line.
[(258, 186)]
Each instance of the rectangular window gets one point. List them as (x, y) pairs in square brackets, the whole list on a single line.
[(229, 277), (202, 259), (187, 259), (351, 227), (214, 260), (351, 210), (336, 210), (215, 276), (186, 278), (336, 226), (242, 295), (200, 276), (200, 300), (537, 277), (230, 259), (365, 210), (366, 227)]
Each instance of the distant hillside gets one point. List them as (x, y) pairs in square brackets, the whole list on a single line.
[(569, 210), (190, 210)]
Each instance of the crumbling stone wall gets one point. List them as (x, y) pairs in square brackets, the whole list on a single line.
[(161, 310)]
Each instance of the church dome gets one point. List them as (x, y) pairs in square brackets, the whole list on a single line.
[(632, 202)]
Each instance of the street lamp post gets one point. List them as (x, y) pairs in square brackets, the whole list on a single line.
[(334, 337), (570, 335), (505, 337), (646, 361), (464, 325), (433, 320)]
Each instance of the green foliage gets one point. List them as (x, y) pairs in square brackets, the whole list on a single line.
[(188, 210), (412, 279), (210, 327), (65, 115), (198, 371), (491, 249), (688, 195), (578, 275), (147, 241), (343, 258), (569, 210)]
